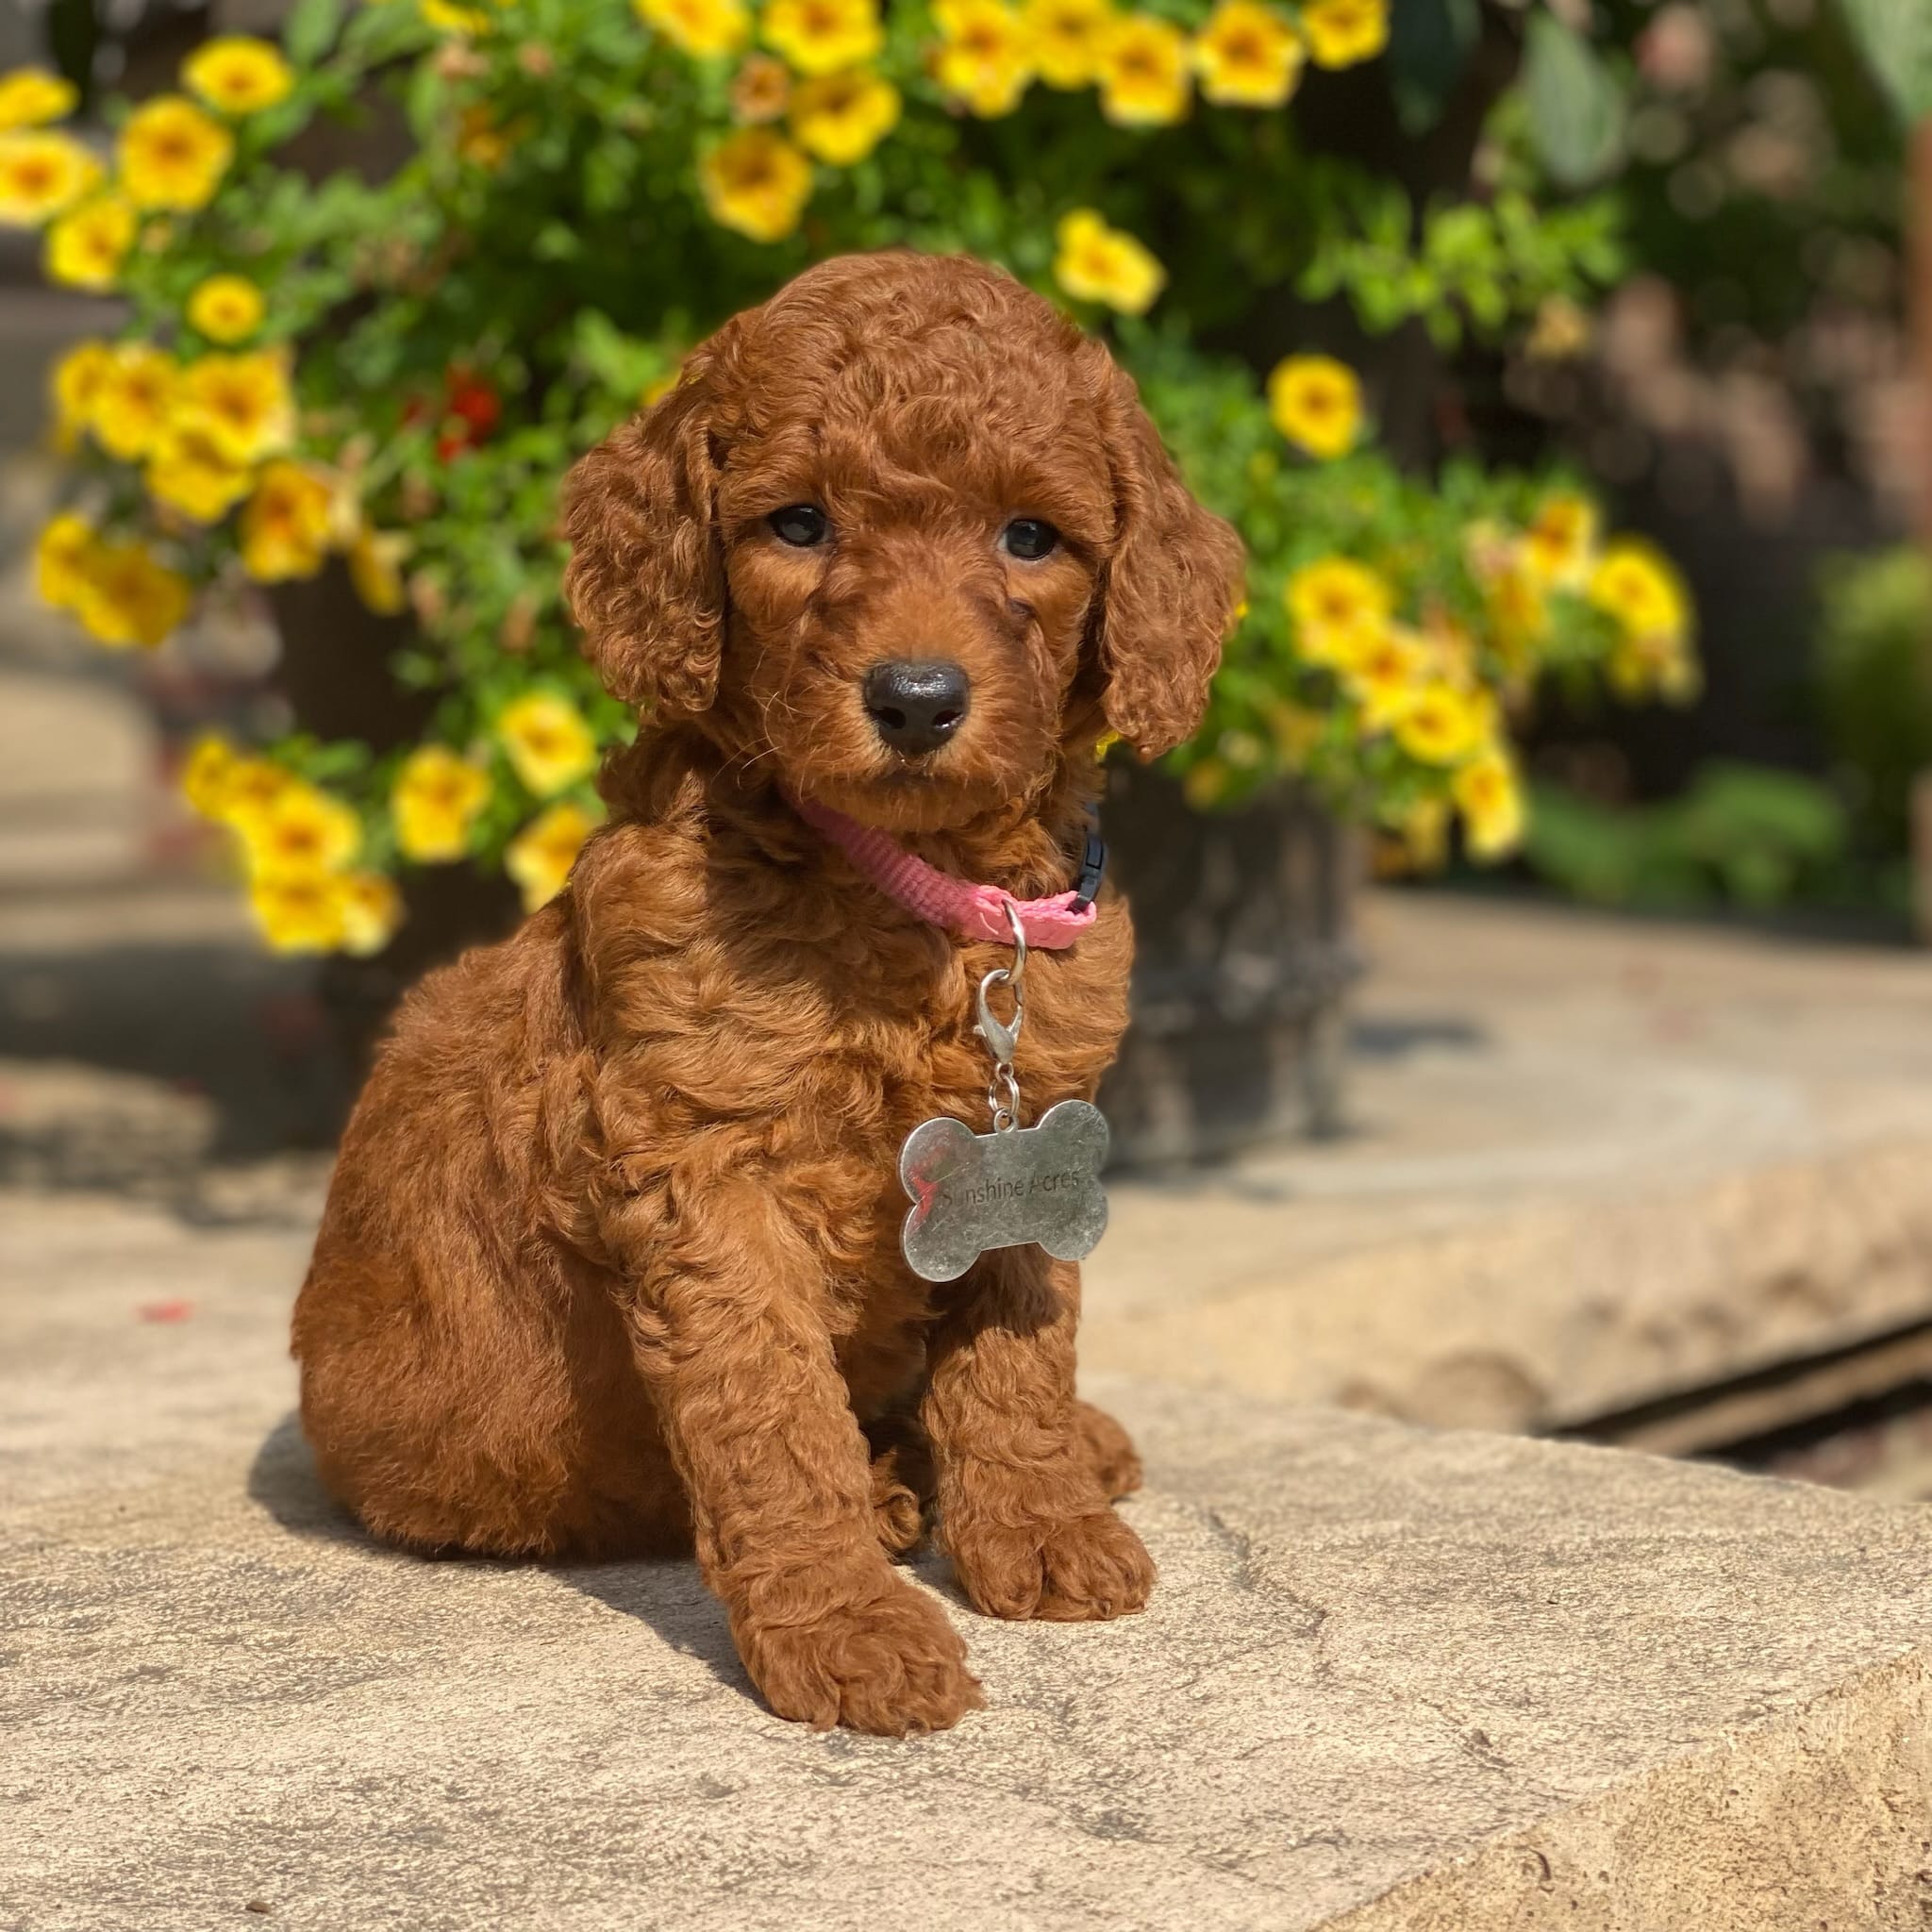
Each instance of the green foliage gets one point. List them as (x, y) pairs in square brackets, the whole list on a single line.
[(1875, 675), (1576, 107), (1744, 835), (1896, 39)]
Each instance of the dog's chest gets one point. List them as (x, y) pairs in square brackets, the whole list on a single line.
[(903, 1049)]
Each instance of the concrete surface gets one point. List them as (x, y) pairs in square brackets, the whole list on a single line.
[(1390, 1680), (1594, 1162)]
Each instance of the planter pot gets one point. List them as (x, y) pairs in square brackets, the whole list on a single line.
[(334, 673), (1244, 957)]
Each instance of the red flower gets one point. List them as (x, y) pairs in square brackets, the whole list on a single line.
[(472, 410)]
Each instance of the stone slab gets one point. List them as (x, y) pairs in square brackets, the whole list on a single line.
[(1390, 1679), (1592, 1163)]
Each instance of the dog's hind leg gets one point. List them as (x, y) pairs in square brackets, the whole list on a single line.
[(902, 1482)]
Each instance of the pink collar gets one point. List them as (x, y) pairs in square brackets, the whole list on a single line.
[(975, 912)]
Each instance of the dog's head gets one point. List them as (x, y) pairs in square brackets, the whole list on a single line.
[(905, 538)]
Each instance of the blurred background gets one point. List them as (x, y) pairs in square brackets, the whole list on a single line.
[(1532, 1025)]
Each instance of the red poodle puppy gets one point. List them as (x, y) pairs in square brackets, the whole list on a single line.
[(610, 1265)]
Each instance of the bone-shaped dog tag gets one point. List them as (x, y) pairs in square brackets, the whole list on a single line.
[(975, 1191)]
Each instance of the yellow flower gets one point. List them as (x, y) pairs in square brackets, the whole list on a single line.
[(841, 117), (132, 395), (75, 384), (239, 790), (1143, 71), (1317, 403), (30, 97), (1064, 38), (1636, 584), (1440, 724), (1096, 263), (236, 73), (1518, 612), (87, 246), (435, 801), (242, 404), (173, 156), (540, 858), (1336, 603), (42, 175), (451, 19), (983, 58), (549, 744), (1382, 674), (371, 908), (1561, 540), (205, 774), (760, 90), (756, 182), (1342, 32), (299, 914), (375, 569), (703, 28), (1248, 55), (63, 553), (126, 597), (287, 524), (822, 36), (1490, 797), (190, 471), (297, 832), (225, 309)]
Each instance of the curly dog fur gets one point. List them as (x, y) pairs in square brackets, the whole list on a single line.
[(610, 1263)]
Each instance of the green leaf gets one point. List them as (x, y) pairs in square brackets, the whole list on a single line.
[(1575, 110), (310, 29), (1896, 39)]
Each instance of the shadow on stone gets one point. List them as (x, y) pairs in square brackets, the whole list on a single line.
[(283, 1479), (664, 1592)]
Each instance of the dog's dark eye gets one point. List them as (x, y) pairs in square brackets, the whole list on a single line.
[(1028, 537), (803, 524)]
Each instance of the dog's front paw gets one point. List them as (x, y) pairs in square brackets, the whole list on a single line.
[(1069, 1569), (884, 1660)]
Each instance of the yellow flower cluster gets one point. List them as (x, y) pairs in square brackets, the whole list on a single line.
[(118, 589), (300, 847), (1417, 685), (212, 434), (1627, 579), (170, 157), (1250, 54), (209, 433)]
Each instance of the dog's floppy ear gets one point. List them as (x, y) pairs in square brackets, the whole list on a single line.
[(1168, 589), (647, 573)]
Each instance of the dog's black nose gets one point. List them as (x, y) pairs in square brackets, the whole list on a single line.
[(916, 708)]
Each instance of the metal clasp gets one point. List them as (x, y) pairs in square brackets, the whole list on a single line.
[(1002, 1039)]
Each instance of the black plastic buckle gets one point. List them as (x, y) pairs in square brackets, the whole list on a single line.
[(1093, 868)]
